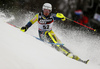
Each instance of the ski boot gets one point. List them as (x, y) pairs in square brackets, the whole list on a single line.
[(86, 61), (78, 59)]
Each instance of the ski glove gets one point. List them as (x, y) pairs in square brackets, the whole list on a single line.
[(63, 19), (60, 15), (24, 29)]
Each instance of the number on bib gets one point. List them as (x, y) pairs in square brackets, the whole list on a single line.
[(45, 27)]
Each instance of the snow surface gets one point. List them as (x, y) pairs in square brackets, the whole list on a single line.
[(19, 50)]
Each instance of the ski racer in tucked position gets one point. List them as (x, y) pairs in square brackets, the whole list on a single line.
[(45, 21)]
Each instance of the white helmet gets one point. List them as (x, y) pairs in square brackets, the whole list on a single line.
[(47, 6)]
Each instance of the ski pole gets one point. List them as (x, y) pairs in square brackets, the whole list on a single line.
[(60, 15), (13, 25), (81, 24)]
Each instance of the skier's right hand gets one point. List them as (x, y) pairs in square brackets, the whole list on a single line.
[(24, 29)]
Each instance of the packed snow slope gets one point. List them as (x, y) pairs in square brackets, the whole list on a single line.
[(19, 50)]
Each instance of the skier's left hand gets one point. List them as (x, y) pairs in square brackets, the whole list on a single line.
[(60, 15), (63, 19)]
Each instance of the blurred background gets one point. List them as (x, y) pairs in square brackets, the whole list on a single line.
[(84, 11)]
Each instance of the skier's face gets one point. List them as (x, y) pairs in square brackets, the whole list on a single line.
[(46, 12)]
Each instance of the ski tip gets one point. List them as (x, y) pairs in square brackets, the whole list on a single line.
[(94, 29), (86, 62)]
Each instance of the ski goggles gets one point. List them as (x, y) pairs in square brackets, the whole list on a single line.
[(46, 11)]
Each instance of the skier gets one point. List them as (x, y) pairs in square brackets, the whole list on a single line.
[(45, 21)]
